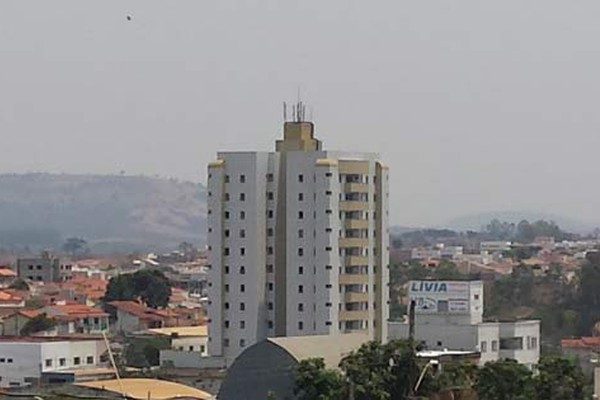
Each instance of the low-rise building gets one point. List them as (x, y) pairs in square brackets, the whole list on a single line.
[(28, 361), (46, 268), (186, 338), (77, 318), (586, 350), (131, 316), (449, 315)]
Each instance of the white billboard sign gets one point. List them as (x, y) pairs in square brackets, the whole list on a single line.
[(440, 296)]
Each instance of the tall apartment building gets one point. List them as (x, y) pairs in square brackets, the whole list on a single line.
[(298, 243)]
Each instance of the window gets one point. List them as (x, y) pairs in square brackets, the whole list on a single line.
[(476, 296), (242, 288), (328, 211), (242, 214), (300, 233), (242, 306), (270, 306), (270, 213), (76, 361), (226, 196), (242, 343), (300, 289), (226, 233), (494, 345), (242, 251), (270, 250), (226, 342), (328, 193), (226, 251), (226, 269), (270, 324), (227, 306), (328, 286), (242, 178), (226, 178), (226, 288), (48, 362), (534, 343), (269, 177), (483, 347), (270, 286), (328, 304), (269, 268), (300, 252), (242, 324), (191, 348), (328, 174), (300, 270), (328, 248), (269, 231), (242, 196), (300, 307), (300, 178), (300, 215), (242, 270), (270, 196), (89, 360), (300, 325), (242, 233), (300, 196), (226, 324), (226, 214), (328, 267), (328, 323)]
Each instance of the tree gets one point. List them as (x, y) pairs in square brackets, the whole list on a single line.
[(504, 380), (314, 382), (76, 247), (19, 284), (39, 323), (559, 379), (381, 371), (145, 352), (151, 286)]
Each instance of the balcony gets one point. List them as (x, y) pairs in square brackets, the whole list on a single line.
[(354, 242), (354, 315), (353, 279), (356, 261), (356, 188), (354, 206), (356, 224), (353, 297)]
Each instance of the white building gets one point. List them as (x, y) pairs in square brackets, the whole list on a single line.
[(298, 243), (27, 361), (449, 315)]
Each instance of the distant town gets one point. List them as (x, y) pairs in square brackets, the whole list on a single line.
[(302, 292)]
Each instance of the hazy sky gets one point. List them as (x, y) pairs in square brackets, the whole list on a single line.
[(475, 105)]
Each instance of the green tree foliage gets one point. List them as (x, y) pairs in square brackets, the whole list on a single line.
[(381, 371), (588, 295), (39, 323), (559, 379), (151, 286), (314, 382), (19, 284), (500, 230), (504, 380), (145, 352), (76, 247)]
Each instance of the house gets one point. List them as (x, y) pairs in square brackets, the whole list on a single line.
[(12, 324), (131, 316), (45, 268), (9, 298), (585, 350), (29, 361), (7, 276), (77, 318), (185, 338)]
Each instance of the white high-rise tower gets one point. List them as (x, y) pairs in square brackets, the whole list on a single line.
[(298, 243)]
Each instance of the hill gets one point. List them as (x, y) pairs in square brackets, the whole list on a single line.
[(111, 212)]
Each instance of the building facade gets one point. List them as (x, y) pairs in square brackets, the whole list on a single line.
[(449, 315), (25, 361), (45, 268), (298, 243)]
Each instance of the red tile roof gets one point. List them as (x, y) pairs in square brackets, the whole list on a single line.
[(581, 343), (139, 310), (74, 311)]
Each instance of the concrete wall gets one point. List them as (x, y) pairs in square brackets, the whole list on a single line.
[(190, 344), (126, 322), (190, 359)]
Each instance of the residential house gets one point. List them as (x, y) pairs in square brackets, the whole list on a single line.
[(585, 350), (131, 316), (7, 276), (13, 323), (78, 318)]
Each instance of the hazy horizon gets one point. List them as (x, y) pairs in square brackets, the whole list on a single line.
[(475, 106)]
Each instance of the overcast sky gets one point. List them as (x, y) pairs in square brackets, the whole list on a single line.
[(475, 105)]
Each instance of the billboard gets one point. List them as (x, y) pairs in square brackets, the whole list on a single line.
[(440, 296)]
